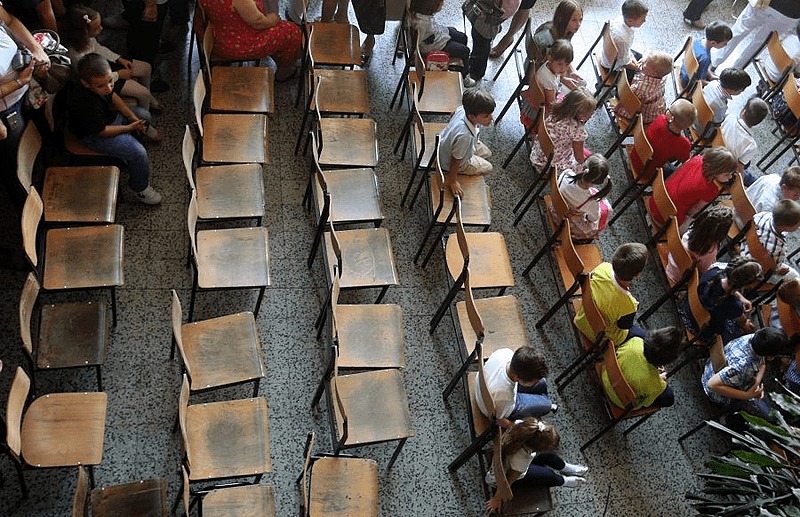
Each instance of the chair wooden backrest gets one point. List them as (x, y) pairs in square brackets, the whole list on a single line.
[(304, 495), (475, 320), (792, 97), (81, 494), (208, 47), (461, 235), (627, 98), (29, 146), (337, 399), (546, 144), (705, 115), (335, 291), (198, 98), (535, 98), (643, 149), (692, 69), (27, 301), (664, 205), (783, 61), (679, 253), (790, 320), (741, 203), (177, 334), (609, 47), (15, 406), (419, 68), (571, 257), (717, 353), (616, 380), (186, 493), (183, 408), (191, 223), (595, 318), (560, 205), (31, 217), (757, 251), (700, 314), (503, 486), (187, 151)]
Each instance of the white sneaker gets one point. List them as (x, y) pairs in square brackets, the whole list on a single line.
[(573, 481), (149, 196), (574, 470), (469, 82)]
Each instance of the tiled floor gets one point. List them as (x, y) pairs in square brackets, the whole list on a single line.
[(644, 474)]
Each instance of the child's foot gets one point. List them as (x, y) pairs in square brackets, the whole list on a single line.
[(469, 82), (573, 481), (501, 47), (574, 470), (152, 135), (149, 196)]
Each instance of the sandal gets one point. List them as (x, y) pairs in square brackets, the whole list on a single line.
[(697, 24)]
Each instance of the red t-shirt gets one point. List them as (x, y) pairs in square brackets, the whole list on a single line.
[(667, 146), (686, 187)]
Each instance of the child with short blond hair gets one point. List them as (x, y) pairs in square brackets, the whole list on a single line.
[(649, 86), (665, 135)]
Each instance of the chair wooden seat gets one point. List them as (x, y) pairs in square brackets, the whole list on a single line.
[(367, 258), (227, 439), (343, 487), (232, 257), (476, 205), (72, 335), (341, 92), (235, 137), (222, 351), (348, 142), (430, 131), (335, 44), (376, 406), (490, 264), (75, 146), (355, 192), (229, 191), (505, 327), (441, 93), (146, 498), (370, 336), (80, 194), (256, 500), (61, 429), (84, 256)]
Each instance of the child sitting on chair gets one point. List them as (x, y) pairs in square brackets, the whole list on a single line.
[(549, 74), (665, 135), (649, 86), (717, 36), (585, 192), (771, 228)]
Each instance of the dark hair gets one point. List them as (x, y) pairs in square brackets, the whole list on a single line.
[(755, 110), (789, 291), (718, 32), (561, 50), (629, 260), (785, 213), (791, 177), (578, 101), (634, 9), (73, 27), (533, 433), (595, 171), (426, 7), (662, 346), (718, 160), (741, 271), (92, 65), (709, 228), (477, 101), (561, 17), (527, 364), (734, 79), (769, 341)]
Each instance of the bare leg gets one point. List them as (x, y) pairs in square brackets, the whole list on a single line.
[(517, 21)]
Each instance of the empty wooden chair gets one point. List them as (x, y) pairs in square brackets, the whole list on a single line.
[(222, 440), (56, 430), (79, 194), (229, 137), (257, 500), (246, 89), (145, 498), (222, 351), (337, 486), (68, 335), (231, 258), (233, 191), (84, 257)]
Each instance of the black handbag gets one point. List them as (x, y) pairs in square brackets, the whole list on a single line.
[(485, 16)]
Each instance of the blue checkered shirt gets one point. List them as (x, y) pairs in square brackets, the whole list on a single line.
[(740, 373)]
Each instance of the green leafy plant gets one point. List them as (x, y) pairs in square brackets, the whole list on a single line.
[(759, 477)]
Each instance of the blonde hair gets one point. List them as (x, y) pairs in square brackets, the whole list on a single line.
[(661, 61), (684, 112)]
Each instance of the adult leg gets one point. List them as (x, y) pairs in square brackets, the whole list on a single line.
[(695, 10), (758, 27), (479, 56)]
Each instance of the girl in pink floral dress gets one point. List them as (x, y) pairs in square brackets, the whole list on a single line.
[(565, 125)]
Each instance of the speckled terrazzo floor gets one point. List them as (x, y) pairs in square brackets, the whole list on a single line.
[(644, 474)]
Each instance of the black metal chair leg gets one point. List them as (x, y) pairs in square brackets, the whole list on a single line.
[(509, 102), (476, 445), (397, 450), (637, 424), (606, 429), (446, 303), (459, 375), (560, 303), (382, 294)]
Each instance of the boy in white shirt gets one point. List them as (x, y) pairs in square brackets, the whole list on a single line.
[(634, 14), (738, 135)]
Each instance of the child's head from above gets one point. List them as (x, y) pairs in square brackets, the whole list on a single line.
[(709, 228), (741, 271), (527, 366), (478, 105), (789, 291), (95, 74), (629, 261), (657, 64), (560, 57), (718, 34), (769, 342), (734, 80), (720, 164), (790, 183), (533, 434), (680, 115), (567, 18), (578, 104), (634, 12), (662, 346), (786, 215), (79, 24), (754, 111)]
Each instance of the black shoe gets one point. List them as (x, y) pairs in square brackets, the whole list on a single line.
[(159, 86)]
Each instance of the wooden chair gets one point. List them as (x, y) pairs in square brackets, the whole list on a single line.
[(789, 135), (344, 142), (476, 205), (639, 180), (537, 101), (224, 440), (780, 59), (485, 254), (718, 362), (692, 69), (525, 68), (697, 341), (224, 351), (366, 336), (622, 126), (541, 175), (230, 258), (233, 191), (367, 408), (363, 256), (343, 92), (56, 430), (790, 320), (624, 392), (238, 89), (229, 137), (82, 194), (745, 212), (228, 499), (68, 335), (606, 78), (145, 498), (83, 257), (337, 485), (686, 264), (709, 136), (423, 147), (664, 205)]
